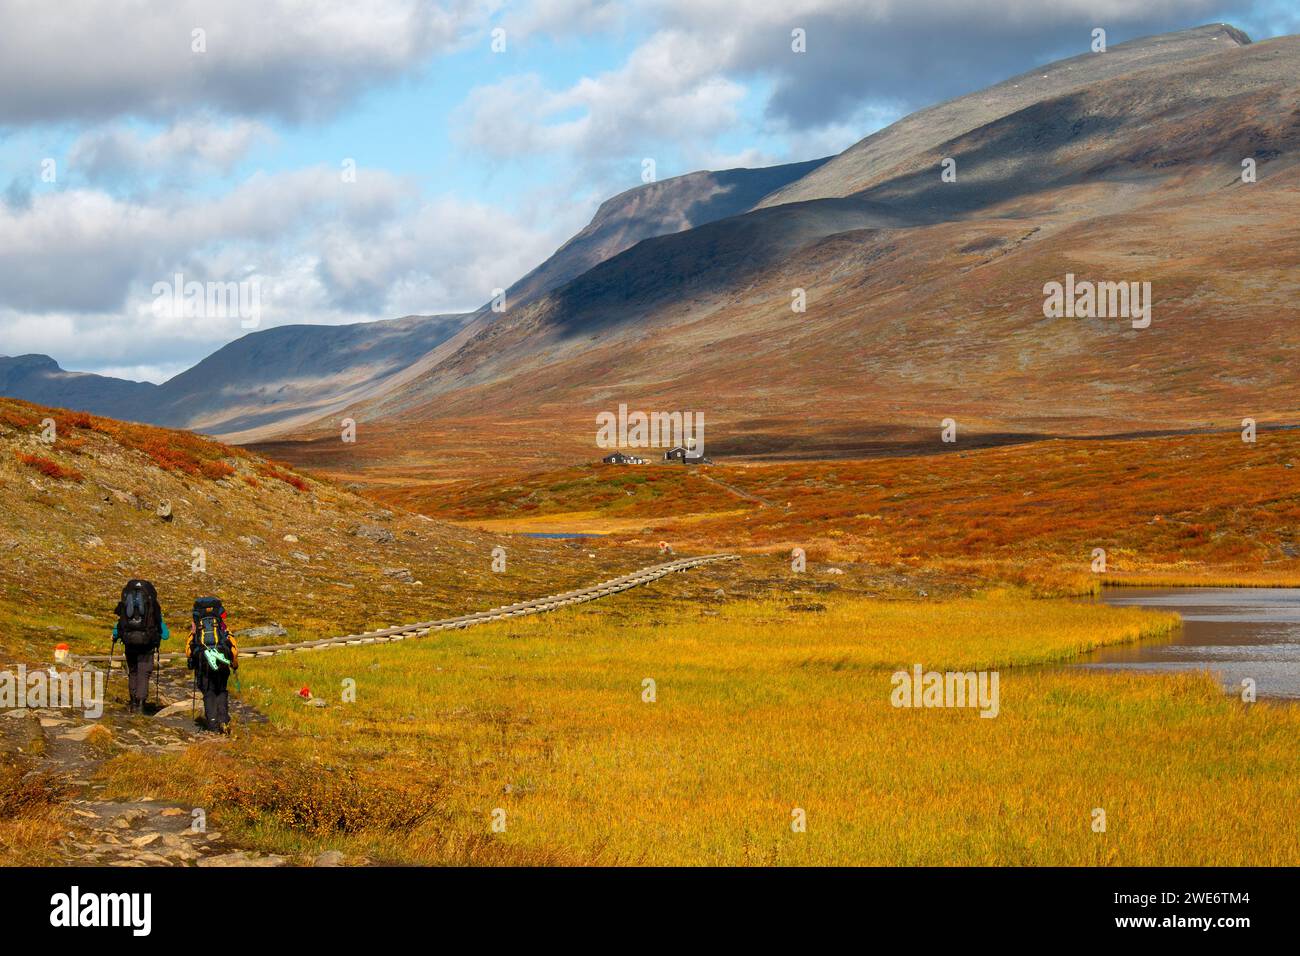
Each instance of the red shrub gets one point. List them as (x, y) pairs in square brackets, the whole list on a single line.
[(76, 420), (216, 469), (17, 419), (270, 471), (48, 468)]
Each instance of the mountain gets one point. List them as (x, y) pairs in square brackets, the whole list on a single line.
[(291, 375), (276, 375), (298, 370), (38, 378), (924, 297), (872, 160), (657, 209)]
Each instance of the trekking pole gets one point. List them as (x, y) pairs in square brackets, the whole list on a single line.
[(157, 663), (108, 681)]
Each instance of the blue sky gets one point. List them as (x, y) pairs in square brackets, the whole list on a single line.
[(224, 163)]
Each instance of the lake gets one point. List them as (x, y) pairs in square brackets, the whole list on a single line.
[(559, 534), (1233, 632)]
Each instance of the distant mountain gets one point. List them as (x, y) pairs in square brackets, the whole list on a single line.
[(282, 374), (924, 297), (38, 378)]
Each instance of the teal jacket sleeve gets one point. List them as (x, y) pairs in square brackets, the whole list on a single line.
[(114, 632), (166, 634)]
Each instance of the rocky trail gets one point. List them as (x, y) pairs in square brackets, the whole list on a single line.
[(67, 748)]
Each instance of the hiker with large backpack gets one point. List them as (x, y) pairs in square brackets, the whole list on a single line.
[(212, 656), (141, 629)]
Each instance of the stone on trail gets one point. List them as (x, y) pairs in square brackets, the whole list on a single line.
[(170, 710), (329, 858), (240, 858), (78, 734), (124, 821)]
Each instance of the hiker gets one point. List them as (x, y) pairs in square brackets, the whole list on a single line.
[(141, 629), (212, 656)]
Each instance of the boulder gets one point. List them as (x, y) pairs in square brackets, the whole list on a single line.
[(374, 533), (266, 630), (240, 858)]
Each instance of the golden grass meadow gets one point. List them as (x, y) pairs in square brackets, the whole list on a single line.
[(760, 715)]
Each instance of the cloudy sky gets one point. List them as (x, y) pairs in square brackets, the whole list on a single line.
[(216, 138)]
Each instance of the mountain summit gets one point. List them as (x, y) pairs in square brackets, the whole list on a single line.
[(923, 294)]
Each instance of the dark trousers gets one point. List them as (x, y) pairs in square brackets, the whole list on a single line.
[(216, 699), (139, 667)]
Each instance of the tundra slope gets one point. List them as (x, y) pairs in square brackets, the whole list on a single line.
[(82, 516)]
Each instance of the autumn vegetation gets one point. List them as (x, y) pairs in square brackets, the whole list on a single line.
[(772, 687), (1182, 509)]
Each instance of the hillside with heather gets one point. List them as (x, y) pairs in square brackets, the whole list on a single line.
[(108, 501)]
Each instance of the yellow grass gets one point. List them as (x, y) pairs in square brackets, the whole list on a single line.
[(586, 522), (1198, 578), (31, 818), (759, 710)]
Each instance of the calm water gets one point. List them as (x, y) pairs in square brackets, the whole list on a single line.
[(1232, 632), (559, 534)]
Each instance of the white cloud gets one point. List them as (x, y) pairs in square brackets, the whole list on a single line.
[(294, 59), (80, 260), (186, 148), (562, 18), (683, 88), (80, 264), (447, 251), (668, 96), (102, 242)]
